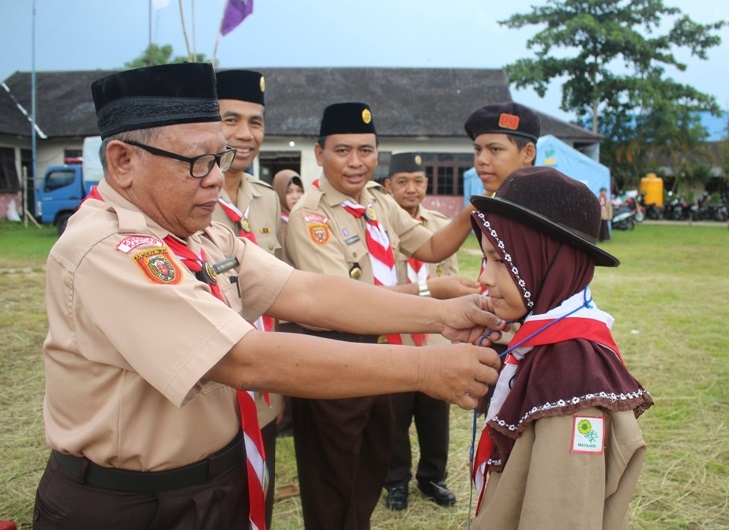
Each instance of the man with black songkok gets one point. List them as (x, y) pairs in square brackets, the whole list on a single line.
[(149, 305), (345, 225), (250, 207)]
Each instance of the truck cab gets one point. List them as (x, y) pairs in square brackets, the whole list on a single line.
[(64, 186)]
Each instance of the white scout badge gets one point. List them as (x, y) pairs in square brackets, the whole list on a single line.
[(588, 434)]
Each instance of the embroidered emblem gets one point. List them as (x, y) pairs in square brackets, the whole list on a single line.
[(263, 84), (319, 233), (316, 218), (158, 267), (418, 160), (588, 434), (509, 121), (366, 116), (129, 243)]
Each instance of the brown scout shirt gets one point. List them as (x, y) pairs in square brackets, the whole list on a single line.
[(132, 332)]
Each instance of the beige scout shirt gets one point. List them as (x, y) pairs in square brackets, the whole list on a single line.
[(129, 343), (323, 237), (546, 487), (433, 221), (264, 212), (264, 215)]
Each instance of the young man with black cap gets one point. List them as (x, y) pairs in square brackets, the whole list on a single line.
[(250, 207), (407, 183), (345, 227), (504, 139), (149, 306)]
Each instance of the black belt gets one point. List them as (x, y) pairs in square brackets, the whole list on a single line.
[(150, 481)]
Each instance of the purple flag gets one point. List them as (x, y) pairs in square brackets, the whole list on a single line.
[(235, 12)]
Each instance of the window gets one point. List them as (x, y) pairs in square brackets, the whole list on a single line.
[(9, 181), (59, 179)]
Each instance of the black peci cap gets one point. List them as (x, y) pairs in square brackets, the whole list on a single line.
[(347, 118), (155, 96), (244, 85), (405, 163)]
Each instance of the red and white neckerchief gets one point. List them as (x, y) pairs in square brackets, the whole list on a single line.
[(239, 218), (285, 217), (381, 254), (255, 454), (575, 318)]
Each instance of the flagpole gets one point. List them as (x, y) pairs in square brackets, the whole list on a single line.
[(220, 27), (34, 148), (184, 31), (149, 48), (194, 38)]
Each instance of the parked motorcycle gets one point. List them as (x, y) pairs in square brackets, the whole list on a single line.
[(624, 217), (650, 210)]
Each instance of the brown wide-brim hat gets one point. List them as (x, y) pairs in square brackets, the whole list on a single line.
[(551, 202)]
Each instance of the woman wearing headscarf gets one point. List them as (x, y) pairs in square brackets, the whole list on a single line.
[(289, 188)]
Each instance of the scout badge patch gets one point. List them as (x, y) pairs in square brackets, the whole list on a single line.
[(158, 267), (318, 229)]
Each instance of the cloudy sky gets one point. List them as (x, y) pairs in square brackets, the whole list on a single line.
[(89, 34)]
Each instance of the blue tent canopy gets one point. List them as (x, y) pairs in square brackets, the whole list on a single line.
[(553, 152)]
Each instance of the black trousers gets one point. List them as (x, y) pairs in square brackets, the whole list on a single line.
[(343, 449), (432, 426), (65, 501)]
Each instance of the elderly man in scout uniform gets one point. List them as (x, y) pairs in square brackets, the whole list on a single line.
[(504, 139), (149, 307), (344, 226), (408, 184), (250, 207)]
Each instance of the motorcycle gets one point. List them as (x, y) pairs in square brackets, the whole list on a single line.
[(651, 210), (624, 217)]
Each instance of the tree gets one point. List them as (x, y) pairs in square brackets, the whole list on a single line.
[(602, 37), (155, 55)]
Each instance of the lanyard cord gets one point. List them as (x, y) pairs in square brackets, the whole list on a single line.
[(585, 305)]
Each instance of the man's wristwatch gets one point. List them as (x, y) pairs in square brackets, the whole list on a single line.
[(423, 288)]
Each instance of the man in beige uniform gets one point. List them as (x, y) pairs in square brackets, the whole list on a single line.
[(408, 184), (148, 307), (343, 447), (241, 99), (250, 207)]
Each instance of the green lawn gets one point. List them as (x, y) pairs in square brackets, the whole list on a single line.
[(670, 298)]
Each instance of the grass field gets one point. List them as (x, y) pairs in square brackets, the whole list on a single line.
[(670, 298)]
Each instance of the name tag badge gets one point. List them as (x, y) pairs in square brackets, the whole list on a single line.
[(351, 240), (588, 434)]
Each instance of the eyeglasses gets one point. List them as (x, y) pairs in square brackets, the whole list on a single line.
[(201, 165)]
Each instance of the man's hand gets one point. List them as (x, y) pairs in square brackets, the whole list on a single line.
[(467, 318), (446, 287), (457, 373)]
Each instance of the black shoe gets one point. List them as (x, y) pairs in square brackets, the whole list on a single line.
[(437, 492), (397, 498)]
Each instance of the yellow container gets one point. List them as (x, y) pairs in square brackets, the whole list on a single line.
[(652, 185)]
